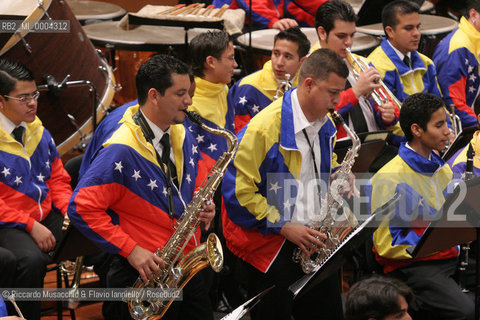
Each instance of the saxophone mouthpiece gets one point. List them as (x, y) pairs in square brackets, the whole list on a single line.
[(194, 117)]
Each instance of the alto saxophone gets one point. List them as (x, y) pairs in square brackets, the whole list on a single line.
[(334, 225), (180, 268)]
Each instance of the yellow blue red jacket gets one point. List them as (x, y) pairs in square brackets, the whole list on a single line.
[(32, 178), (458, 161), (210, 102), (456, 59), (267, 156), (424, 185), (121, 201), (266, 12), (253, 93)]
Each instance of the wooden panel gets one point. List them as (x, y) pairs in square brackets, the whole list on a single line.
[(134, 6)]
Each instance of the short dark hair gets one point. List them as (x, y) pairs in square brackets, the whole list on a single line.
[(321, 63), (156, 73), (210, 43), (333, 10), (471, 4), (295, 35), (375, 297), (10, 73), (418, 108), (390, 11)]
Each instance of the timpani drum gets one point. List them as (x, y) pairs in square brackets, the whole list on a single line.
[(433, 29), (88, 12), (262, 43), (128, 49), (67, 112)]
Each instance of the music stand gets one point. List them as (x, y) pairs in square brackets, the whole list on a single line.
[(444, 233), (372, 144), (460, 141), (346, 248), (73, 244), (247, 306)]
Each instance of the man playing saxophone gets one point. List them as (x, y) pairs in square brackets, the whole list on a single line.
[(139, 184), (288, 144), (335, 24)]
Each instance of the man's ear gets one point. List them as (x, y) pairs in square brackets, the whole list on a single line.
[(308, 83), (322, 34), (416, 130), (389, 32), (2, 102), (153, 94), (302, 59), (210, 62)]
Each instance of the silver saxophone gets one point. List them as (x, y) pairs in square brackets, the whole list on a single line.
[(283, 87), (180, 268), (334, 225)]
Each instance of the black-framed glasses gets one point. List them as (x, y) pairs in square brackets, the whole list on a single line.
[(25, 98)]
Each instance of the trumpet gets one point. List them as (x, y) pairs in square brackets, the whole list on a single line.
[(283, 87), (381, 95)]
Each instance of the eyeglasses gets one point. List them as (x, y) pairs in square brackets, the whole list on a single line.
[(25, 98)]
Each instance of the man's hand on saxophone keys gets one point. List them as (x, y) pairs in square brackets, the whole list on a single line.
[(145, 262), (207, 215), (368, 81), (307, 239)]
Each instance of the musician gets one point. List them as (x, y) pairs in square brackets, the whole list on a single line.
[(281, 143), (378, 298), (256, 91), (213, 63), (457, 61), (34, 186), (275, 14), (404, 70), (148, 154), (335, 24), (423, 179)]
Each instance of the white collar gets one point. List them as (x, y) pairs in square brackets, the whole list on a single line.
[(157, 132), (399, 54), (7, 125), (300, 122)]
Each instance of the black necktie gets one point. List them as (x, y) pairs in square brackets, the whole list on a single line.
[(406, 60), (356, 115), (171, 169), (18, 134)]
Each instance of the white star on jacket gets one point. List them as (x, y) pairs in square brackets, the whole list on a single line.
[(136, 175), (118, 166), (18, 180), (275, 187), (242, 100), (6, 171), (194, 149), (152, 184), (212, 147), (40, 177), (199, 138), (255, 108), (188, 178)]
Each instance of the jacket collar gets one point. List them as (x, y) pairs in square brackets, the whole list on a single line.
[(287, 130), (417, 63), (420, 164), (471, 33)]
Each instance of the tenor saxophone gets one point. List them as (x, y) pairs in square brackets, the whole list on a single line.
[(336, 227), (180, 268)]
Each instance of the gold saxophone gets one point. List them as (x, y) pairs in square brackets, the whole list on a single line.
[(180, 268), (283, 87), (334, 224), (380, 95)]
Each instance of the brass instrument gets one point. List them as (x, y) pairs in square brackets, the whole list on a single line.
[(329, 222), (380, 95), (283, 87), (180, 268), (456, 121)]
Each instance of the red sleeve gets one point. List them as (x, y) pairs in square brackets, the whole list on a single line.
[(457, 94), (347, 97), (59, 186), (10, 214)]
